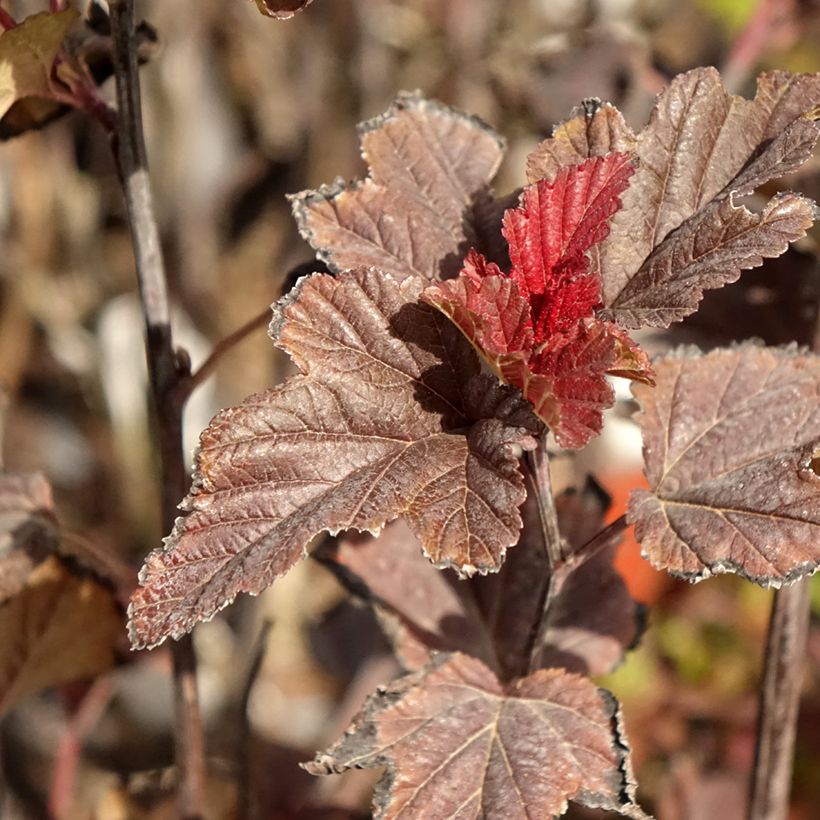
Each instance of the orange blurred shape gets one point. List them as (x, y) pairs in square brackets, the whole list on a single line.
[(645, 583)]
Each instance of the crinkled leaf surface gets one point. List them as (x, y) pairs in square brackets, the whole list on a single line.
[(28, 528), (391, 416), (459, 744), (730, 444), (58, 628), (281, 9), (536, 327), (591, 621), (416, 212), (680, 230), (27, 55)]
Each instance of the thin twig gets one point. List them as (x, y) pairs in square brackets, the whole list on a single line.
[(537, 472), (221, 347), (245, 808), (70, 747), (745, 54), (783, 669), (6, 20), (780, 703), (165, 374)]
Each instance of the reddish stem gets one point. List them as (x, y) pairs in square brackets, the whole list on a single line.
[(57, 5), (68, 753), (6, 20)]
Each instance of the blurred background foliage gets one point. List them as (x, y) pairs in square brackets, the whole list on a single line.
[(241, 110)]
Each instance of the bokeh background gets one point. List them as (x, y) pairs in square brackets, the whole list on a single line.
[(241, 110)]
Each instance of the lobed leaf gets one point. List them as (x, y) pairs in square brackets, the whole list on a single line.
[(457, 743), (417, 213), (391, 416), (680, 231), (730, 444)]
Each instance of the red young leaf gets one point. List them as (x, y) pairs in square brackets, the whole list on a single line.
[(459, 744), (414, 215), (390, 417), (731, 441), (536, 327), (680, 231), (550, 233)]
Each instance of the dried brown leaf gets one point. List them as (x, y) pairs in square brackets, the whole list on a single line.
[(459, 744), (429, 167), (58, 628), (27, 55), (28, 528), (729, 439), (390, 417)]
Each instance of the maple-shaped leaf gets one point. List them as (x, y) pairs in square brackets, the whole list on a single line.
[(391, 416), (58, 628), (590, 623), (680, 230), (457, 743), (536, 326), (28, 528), (281, 9), (731, 448), (418, 211)]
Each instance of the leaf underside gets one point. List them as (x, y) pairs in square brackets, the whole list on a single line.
[(729, 443)]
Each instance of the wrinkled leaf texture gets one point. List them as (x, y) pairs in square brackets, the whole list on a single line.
[(391, 416), (730, 442), (420, 209), (680, 230), (536, 327), (459, 744)]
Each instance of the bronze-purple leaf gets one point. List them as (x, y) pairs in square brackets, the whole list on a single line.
[(591, 621), (414, 215), (730, 442), (680, 232), (459, 744), (391, 416)]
